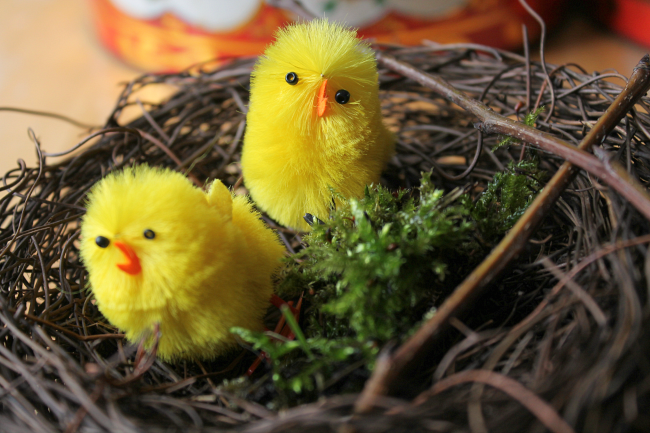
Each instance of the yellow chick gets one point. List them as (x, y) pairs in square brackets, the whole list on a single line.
[(159, 250), (314, 122)]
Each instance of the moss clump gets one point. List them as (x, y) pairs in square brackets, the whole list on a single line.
[(374, 271), (506, 198), (382, 260), (369, 274)]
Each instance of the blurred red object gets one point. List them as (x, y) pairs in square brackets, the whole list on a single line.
[(169, 35), (630, 18)]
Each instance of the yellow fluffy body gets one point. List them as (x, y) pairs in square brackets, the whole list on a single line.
[(208, 268), (291, 155)]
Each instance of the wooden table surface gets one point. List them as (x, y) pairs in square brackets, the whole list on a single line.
[(51, 61)]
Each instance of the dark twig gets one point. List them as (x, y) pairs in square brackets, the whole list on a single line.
[(542, 41), (48, 114)]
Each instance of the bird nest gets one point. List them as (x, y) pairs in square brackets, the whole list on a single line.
[(557, 337)]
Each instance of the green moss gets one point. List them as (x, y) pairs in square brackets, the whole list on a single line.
[(506, 198), (375, 270), (369, 274), (378, 256)]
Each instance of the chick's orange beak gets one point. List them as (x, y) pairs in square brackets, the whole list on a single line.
[(322, 98), (132, 265)]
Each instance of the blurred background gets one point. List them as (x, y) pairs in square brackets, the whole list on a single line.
[(71, 57)]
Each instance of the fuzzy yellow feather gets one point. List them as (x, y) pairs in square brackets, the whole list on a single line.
[(314, 122), (159, 250)]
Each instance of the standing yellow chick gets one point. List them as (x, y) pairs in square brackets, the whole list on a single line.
[(159, 250), (314, 122)]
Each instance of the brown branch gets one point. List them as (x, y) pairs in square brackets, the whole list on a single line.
[(395, 377)]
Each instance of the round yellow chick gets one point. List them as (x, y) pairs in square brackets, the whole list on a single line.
[(159, 250), (314, 122)]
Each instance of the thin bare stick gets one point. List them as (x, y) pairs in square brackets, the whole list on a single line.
[(52, 115)]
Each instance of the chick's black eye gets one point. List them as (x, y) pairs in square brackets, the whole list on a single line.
[(102, 242), (149, 234), (292, 78), (342, 96)]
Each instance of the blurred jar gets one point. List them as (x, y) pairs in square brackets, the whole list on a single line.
[(169, 35)]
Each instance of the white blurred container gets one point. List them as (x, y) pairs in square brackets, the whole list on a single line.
[(168, 35)]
